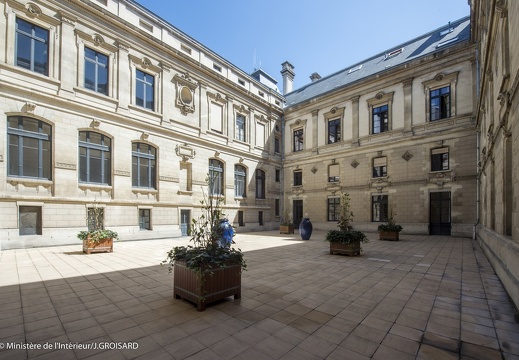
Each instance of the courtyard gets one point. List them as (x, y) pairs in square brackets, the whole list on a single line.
[(423, 297)]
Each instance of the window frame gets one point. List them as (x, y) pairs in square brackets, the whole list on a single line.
[(334, 179), (382, 173), (260, 184), (439, 81), (440, 151), (44, 163), (333, 205), (444, 109), (32, 37), (151, 167), (38, 229), (143, 224), (106, 179), (380, 100), (216, 177), (297, 180), (383, 122), (146, 85), (240, 133), (240, 184), (383, 213), (97, 65), (298, 139)]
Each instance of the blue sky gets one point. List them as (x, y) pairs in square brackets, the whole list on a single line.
[(315, 36)]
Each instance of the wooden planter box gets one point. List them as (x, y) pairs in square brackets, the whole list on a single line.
[(286, 229), (389, 235), (106, 245), (345, 249), (205, 289)]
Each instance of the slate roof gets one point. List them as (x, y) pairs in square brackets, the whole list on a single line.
[(411, 50)]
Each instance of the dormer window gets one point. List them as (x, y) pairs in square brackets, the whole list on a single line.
[(355, 69), (394, 53), (447, 42), (217, 68), (446, 31)]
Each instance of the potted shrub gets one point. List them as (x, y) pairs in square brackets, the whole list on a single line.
[(210, 269), (345, 241), (97, 239), (287, 226), (390, 230)]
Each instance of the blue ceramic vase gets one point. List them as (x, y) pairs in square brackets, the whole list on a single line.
[(305, 229)]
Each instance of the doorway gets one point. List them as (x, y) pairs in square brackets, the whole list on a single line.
[(185, 218), (297, 212), (440, 213)]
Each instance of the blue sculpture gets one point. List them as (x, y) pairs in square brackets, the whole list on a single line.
[(227, 234)]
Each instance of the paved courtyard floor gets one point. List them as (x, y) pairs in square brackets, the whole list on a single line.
[(423, 297)]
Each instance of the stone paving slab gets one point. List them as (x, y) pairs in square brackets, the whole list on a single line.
[(423, 297)]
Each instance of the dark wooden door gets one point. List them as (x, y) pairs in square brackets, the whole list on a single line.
[(440, 213)]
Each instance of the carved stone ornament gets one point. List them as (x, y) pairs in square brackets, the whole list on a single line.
[(98, 39), (313, 170), (30, 107), (95, 124), (407, 156), (185, 151), (354, 164), (145, 136), (32, 10), (146, 63), (438, 77), (185, 96), (379, 96)]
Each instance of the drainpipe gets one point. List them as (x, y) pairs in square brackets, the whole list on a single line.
[(477, 186), (478, 168)]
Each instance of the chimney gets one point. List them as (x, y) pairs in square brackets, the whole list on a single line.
[(315, 76), (288, 77)]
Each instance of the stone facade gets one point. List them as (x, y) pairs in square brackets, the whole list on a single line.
[(496, 32), (110, 106), (375, 138)]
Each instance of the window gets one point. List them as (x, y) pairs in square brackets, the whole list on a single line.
[(144, 219), (298, 178), (29, 220), (278, 175), (440, 103), (94, 158), (380, 119), (260, 184), (379, 208), (334, 205), (215, 177), (96, 71), (380, 167), (276, 207), (333, 173), (240, 176), (29, 148), (143, 166), (241, 221), (260, 134), (298, 140), (277, 145), (334, 131), (440, 159), (144, 90), (240, 127), (32, 47)]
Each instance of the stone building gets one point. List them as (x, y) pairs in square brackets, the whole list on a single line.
[(105, 104), (495, 31), (395, 131)]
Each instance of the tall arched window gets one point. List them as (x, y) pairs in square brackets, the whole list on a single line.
[(215, 177), (260, 184), (29, 144), (143, 166), (240, 176), (95, 152)]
